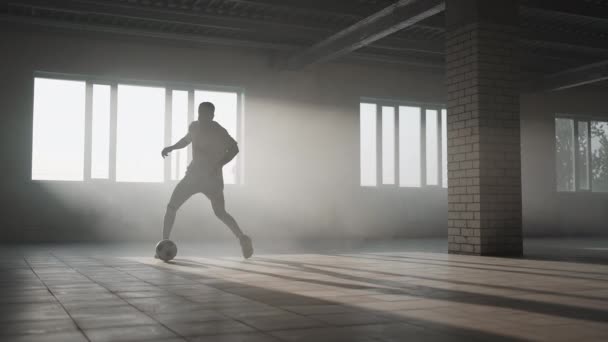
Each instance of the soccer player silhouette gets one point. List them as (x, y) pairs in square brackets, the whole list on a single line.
[(212, 148)]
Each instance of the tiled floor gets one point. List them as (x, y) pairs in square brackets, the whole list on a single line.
[(62, 295)]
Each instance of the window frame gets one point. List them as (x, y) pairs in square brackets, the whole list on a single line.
[(424, 106), (169, 86)]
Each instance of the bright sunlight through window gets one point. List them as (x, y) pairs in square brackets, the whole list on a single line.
[(58, 132), (95, 129), (140, 132), (368, 144), (409, 146), (179, 128), (100, 142), (431, 147), (388, 145)]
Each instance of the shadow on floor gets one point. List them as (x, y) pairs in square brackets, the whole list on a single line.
[(391, 327)]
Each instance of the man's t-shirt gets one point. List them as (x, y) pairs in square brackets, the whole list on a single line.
[(209, 145)]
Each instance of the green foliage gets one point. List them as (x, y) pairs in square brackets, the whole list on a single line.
[(564, 154), (599, 150)]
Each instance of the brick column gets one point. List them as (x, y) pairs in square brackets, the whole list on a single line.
[(484, 167)]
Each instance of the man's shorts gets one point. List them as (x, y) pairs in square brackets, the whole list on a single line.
[(193, 183)]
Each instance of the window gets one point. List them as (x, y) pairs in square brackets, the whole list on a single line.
[(432, 152), (403, 145), (368, 144), (444, 148), (100, 132), (599, 156), (581, 154), (409, 146), (90, 129), (140, 134), (388, 145), (58, 132), (179, 128)]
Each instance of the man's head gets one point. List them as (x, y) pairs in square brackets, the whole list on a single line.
[(206, 111)]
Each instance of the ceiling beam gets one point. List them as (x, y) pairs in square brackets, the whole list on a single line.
[(391, 19), (65, 26), (430, 63), (367, 34), (102, 31), (591, 9), (179, 17), (170, 16), (552, 49), (575, 77), (341, 8), (565, 39), (432, 47)]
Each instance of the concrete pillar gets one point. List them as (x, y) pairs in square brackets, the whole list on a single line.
[(484, 151)]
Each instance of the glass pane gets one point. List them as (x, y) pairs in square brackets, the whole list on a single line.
[(599, 150), (582, 156), (140, 134), (388, 145), (432, 168), (179, 128), (367, 113), (100, 139), (226, 114), (409, 146), (564, 154), (444, 148), (58, 130)]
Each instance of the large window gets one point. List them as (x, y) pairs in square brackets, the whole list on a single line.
[(581, 154), (403, 145), (140, 133), (409, 146), (368, 144), (58, 133), (179, 127), (100, 132), (432, 143), (89, 129)]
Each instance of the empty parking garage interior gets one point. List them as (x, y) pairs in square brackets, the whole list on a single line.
[(291, 170)]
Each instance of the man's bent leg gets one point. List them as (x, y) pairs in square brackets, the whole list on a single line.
[(181, 193), (219, 208)]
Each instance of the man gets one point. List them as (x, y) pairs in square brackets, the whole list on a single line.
[(212, 148)]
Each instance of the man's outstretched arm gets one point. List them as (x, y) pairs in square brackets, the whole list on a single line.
[(183, 142)]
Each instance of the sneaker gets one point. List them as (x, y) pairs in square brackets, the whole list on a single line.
[(246, 246)]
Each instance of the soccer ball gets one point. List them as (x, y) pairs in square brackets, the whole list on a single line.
[(166, 250)]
